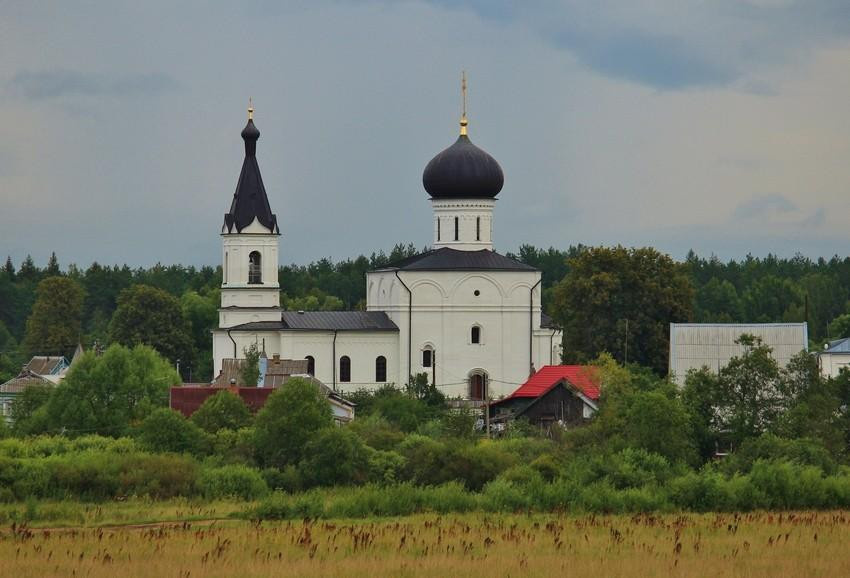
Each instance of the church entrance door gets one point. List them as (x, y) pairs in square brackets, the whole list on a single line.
[(477, 386)]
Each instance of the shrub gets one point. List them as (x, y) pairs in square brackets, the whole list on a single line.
[(376, 432), (384, 467), (805, 451), (224, 410), (424, 460), (166, 430), (634, 468), (232, 481), (505, 496), (287, 480), (336, 456), (475, 465)]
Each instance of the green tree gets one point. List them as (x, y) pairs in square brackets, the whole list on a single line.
[(108, 394), (840, 327), (52, 269), (659, 423), (201, 312), (622, 301), (771, 299), (224, 410), (749, 397), (249, 373), (717, 302), (826, 299), (335, 456), (150, 316), (54, 326), (166, 430), (291, 417), (698, 396), (29, 411)]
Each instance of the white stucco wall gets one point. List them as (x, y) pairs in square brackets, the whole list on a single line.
[(446, 307), (831, 364), (475, 223), (255, 301)]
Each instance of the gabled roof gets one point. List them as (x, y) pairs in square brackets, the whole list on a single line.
[(584, 378), (838, 346), (23, 381), (448, 259), (46, 365)]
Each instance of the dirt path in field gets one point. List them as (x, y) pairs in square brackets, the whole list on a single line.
[(173, 524)]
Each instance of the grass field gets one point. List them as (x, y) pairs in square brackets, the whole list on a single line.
[(758, 544)]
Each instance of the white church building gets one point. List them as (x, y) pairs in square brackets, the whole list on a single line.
[(462, 313)]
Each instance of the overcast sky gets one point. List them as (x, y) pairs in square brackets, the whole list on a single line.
[(721, 126)]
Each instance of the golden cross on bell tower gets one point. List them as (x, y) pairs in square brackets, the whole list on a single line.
[(463, 121), (250, 108)]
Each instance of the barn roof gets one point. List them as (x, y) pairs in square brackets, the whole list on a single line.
[(584, 378)]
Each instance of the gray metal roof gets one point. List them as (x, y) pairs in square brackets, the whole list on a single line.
[(447, 259), (324, 321), (838, 346), (338, 321)]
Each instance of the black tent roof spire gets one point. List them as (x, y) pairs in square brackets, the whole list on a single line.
[(250, 201)]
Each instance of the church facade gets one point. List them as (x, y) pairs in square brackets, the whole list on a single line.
[(465, 315)]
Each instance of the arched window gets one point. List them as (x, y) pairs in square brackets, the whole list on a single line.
[(311, 365), (344, 369), (475, 334), (427, 356), (380, 368), (477, 228), (438, 228), (255, 274), (224, 269), (457, 228)]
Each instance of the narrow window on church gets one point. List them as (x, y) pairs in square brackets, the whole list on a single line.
[(226, 259), (477, 228), (311, 365), (476, 334), (380, 369), (427, 357), (457, 228), (255, 275), (344, 369), (438, 228)]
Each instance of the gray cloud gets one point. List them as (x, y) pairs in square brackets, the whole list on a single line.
[(764, 205), (676, 44), (51, 84)]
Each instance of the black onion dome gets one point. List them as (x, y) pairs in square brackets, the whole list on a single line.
[(250, 201), (463, 171)]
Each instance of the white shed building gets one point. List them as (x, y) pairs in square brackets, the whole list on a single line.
[(712, 345)]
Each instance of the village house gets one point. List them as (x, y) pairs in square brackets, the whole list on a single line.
[(556, 395)]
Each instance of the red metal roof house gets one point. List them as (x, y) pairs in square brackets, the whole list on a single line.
[(563, 394)]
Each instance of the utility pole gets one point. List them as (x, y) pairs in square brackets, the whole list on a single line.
[(487, 403)]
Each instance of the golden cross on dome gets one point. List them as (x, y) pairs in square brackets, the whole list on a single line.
[(250, 109), (463, 121)]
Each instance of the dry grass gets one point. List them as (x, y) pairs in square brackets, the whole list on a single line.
[(759, 544)]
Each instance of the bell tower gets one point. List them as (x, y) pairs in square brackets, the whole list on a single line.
[(249, 290)]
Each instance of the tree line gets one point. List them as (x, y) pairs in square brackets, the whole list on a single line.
[(607, 299)]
